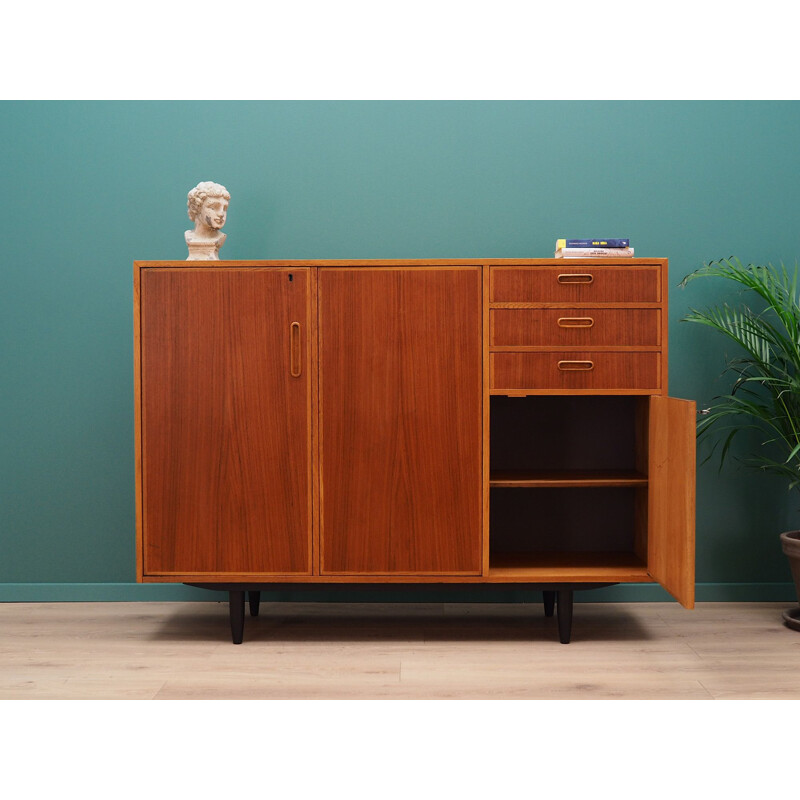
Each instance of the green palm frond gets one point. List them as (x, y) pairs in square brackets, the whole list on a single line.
[(765, 394)]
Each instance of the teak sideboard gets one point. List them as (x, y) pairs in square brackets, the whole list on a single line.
[(470, 421)]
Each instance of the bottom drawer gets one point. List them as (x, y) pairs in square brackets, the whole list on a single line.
[(571, 371)]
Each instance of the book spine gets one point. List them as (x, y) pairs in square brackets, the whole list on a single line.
[(597, 243), (594, 252)]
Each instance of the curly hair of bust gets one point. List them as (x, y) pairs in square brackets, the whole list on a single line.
[(201, 193)]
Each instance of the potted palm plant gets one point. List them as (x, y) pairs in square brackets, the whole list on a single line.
[(765, 393)]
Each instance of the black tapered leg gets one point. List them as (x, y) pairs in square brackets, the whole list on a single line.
[(564, 615), (255, 600), (236, 601), (549, 603)]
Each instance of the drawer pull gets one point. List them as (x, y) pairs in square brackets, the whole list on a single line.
[(576, 277), (575, 366), (575, 322), (295, 352)]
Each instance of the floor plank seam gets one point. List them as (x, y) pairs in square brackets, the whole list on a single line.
[(706, 690)]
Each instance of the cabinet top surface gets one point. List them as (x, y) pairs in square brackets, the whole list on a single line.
[(408, 262)]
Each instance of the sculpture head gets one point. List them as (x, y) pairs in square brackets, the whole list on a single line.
[(207, 204)]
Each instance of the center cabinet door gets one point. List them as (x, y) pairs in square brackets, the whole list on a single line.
[(401, 420)]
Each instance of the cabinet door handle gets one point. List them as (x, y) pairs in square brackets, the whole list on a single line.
[(575, 322), (576, 277), (295, 352), (575, 366)]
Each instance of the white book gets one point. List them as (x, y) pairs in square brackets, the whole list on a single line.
[(594, 252)]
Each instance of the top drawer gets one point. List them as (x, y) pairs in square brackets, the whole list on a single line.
[(572, 283)]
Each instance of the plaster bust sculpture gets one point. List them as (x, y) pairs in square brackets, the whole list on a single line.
[(208, 209)]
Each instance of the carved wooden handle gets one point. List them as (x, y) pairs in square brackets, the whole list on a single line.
[(575, 322), (295, 351), (576, 277), (575, 366)]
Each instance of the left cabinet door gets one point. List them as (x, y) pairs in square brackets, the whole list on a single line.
[(225, 422)]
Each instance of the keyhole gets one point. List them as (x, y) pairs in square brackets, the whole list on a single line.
[(291, 277)]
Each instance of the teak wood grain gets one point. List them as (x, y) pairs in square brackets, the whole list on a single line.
[(566, 478), (589, 567), (559, 327), (401, 420), (487, 405), (671, 451), (582, 370), (225, 426), (570, 282)]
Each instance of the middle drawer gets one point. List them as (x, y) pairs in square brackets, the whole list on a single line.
[(585, 327)]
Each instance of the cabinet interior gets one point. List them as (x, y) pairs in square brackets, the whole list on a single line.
[(568, 482)]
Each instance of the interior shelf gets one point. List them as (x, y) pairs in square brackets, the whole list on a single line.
[(555, 567), (565, 478), (558, 434)]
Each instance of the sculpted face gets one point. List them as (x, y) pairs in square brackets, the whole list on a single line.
[(213, 212)]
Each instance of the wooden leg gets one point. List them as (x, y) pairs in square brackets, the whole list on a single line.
[(549, 603), (564, 615), (255, 600), (236, 602)]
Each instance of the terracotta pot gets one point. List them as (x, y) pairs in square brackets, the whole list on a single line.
[(791, 546)]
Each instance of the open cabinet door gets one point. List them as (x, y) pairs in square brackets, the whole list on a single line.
[(671, 502)]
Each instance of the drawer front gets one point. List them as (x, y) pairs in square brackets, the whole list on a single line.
[(586, 327), (571, 370), (576, 284)]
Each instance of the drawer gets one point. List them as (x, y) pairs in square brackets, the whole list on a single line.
[(571, 370), (569, 283), (586, 327)]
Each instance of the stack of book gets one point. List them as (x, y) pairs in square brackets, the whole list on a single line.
[(594, 248)]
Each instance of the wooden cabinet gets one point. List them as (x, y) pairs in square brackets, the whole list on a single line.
[(462, 422)]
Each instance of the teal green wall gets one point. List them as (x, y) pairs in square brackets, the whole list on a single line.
[(90, 186)]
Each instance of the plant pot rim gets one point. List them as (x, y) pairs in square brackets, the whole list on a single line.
[(790, 540)]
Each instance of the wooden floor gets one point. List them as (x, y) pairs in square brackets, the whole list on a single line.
[(354, 651)]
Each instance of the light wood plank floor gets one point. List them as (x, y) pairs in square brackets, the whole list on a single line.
[(370, 651)]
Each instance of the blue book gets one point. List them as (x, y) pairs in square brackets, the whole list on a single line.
[(597, 243)]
